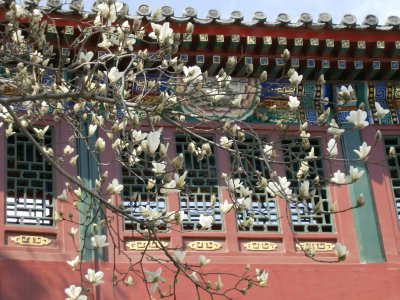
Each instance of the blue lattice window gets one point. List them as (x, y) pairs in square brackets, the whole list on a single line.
[(264, 209), (201, 186), (135, 195), (394, 169), (30, 186), (304, 216)]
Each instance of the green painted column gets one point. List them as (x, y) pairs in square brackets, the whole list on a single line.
[(365, 218), (89, 210)]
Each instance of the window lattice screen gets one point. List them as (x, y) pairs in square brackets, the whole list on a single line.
[(201, 185), (394, 169), (29, 182), (303, 216), (264, 207), (135, 193)]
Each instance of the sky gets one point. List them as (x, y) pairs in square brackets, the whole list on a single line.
[(337, 8)]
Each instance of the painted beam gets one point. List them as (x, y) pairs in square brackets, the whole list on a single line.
[(341, 66), (216, 61), (329, 46), (394, 68), (314, 44), (379, 47), (234, 42), (262, 65), (358, 66), (277, 68), (186, 42), (361, 48), (396, 49), (282, 44), (251, 42), (298, 45), (203, 42), (219, 41), (373, 70), (344, 47), (267, 43)]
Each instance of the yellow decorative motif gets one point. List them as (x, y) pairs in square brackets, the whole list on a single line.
[(30, 240), (145, 245), (204, 245), (316, 246), (220, 38), (260, 246), (235, 38), (203, 37)]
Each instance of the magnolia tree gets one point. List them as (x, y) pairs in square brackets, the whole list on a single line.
[(91, 94)]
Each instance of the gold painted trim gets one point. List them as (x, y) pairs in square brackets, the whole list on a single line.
[(260, 246), (204, 245), (145, 245), (31, 240)]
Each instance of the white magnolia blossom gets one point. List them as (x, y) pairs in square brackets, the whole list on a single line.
[(262, 277), (205, 221), (243, 203), (99, 241), (346, 94), (85, 57), (358, 118), (293, 103), (68, 150), (74, 263), (73, 160), (179, 255), (92, 129), (304, 190), (332, 148), (311, 154), (74, 293), (192, 74), (295, 79), (334, 128), (41, 132), (158, 168), (225, 207), (73, 231), (114, 75), (138, 136), (269, 151), (355, 174), (114, 187), (203, 260), (162, 33), (234, 184), (363, 151), (341, 251), (338, 177), (280, 188), (225, 142), (100, 144), (153, 141), (109, 11), (380, 111), (154, 278), (94, 277), (245, 191), (178, 161)]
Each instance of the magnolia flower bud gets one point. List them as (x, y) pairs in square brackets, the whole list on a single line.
[(291, 72), (189, 28), (392, 152), (191, 148), (360, 201), (264, 76), (231, 62), (286, 54), (378, 135)]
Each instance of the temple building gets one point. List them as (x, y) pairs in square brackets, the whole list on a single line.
[(362, 55)]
